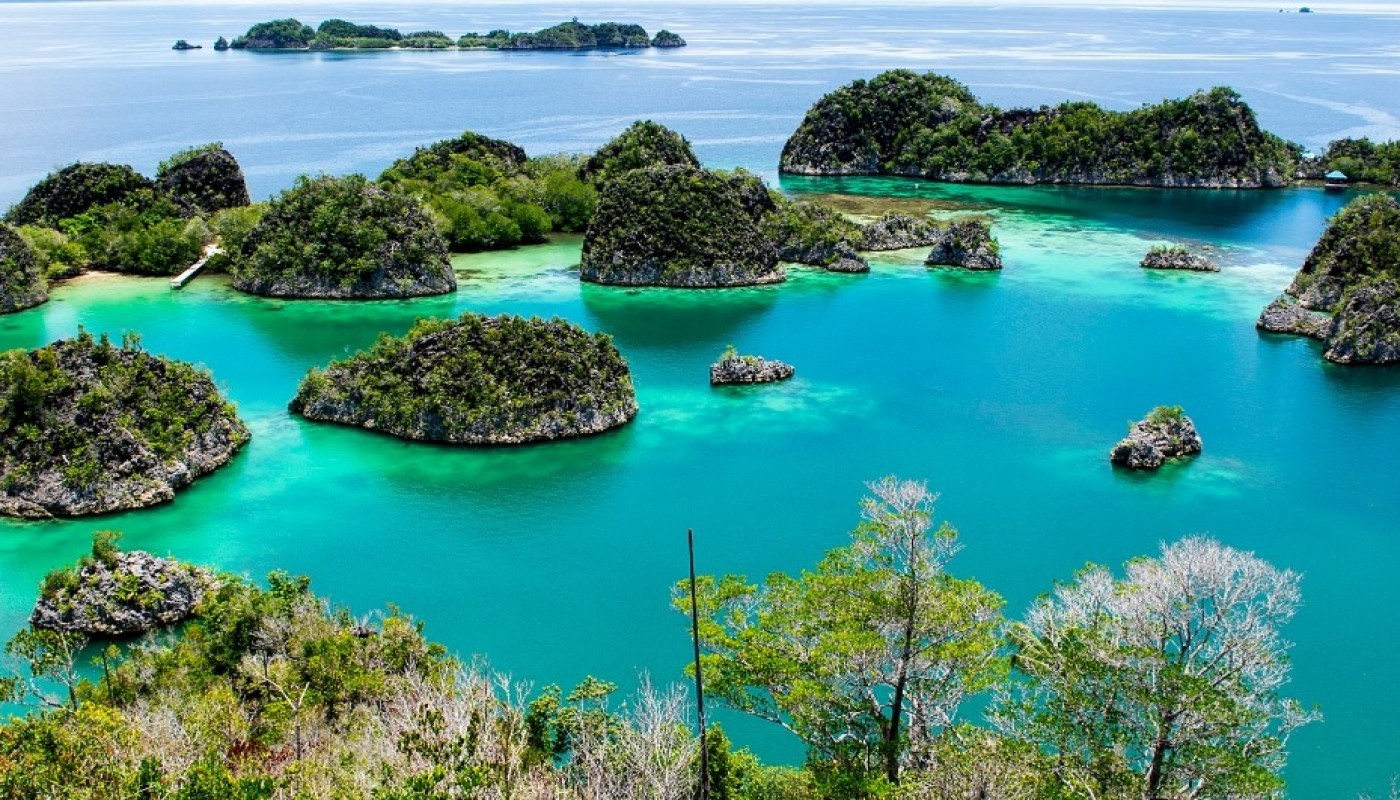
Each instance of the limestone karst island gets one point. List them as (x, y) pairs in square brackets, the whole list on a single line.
[(734, 401)]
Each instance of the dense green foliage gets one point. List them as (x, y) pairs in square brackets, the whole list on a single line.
[(96, 418), (1362, 160), (677, 226), (477, 380), (643, 144), (108, 216), (572, 35), (56, 254), (1360, 244), (146, 233), (73, 190), (22, 282), (931, 126), (343, 237), (485, 194)]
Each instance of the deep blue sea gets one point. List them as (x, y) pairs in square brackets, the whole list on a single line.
[(1003, 391)]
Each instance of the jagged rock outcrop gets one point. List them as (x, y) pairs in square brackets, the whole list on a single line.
[(1350, 272), (88, 427), (1366, 328), (21, 281), (477, 380), (676, 226), (124, 595), (1164, 434), (894, 231), (734, 368), (343, 238), (74, 189), (204, 180), (930, 126), (1177, 258), (965, 244), (1287, 315)]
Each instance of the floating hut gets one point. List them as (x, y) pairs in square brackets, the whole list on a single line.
[(1334, 181)]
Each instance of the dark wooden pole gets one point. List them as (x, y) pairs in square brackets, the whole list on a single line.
[(699, 679)]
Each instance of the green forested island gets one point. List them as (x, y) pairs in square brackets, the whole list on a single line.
[(486, 194), (335, 34), (1347, 292), (110, 217), (931, 126), (477, 380), (677, 225), (343, 238), (1164, 680), (90, 427)]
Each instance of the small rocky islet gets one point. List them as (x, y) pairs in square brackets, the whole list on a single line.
[(1164, 434), (477, 380), (733, 368), (1176, 257), (1347, 293), (90, 427), (113, 594)]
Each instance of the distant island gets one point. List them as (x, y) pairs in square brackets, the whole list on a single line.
[(339, 34), (931, 126)]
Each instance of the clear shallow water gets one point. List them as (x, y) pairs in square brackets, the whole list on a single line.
[(1003, 391)]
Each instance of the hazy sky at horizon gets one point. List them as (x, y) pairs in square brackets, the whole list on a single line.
[(1328, 7)]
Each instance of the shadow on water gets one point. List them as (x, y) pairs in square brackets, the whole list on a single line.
[(447, 470), (652, 317), (313, 331)]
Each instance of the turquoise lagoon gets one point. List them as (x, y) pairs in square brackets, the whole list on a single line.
[(1003, 391)]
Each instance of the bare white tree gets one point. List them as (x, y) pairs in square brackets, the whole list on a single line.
[(1164, 684)]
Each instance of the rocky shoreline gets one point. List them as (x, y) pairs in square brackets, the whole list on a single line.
[(1347, 293)]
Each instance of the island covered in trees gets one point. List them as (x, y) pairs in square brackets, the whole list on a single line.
[(477, 380), (90, 427), (931, 126), (339, 34)]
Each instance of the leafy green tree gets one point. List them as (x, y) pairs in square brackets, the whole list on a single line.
[(865, 656), (1163, 684)]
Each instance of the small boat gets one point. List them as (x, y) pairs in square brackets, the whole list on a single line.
[(1334, 181)]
